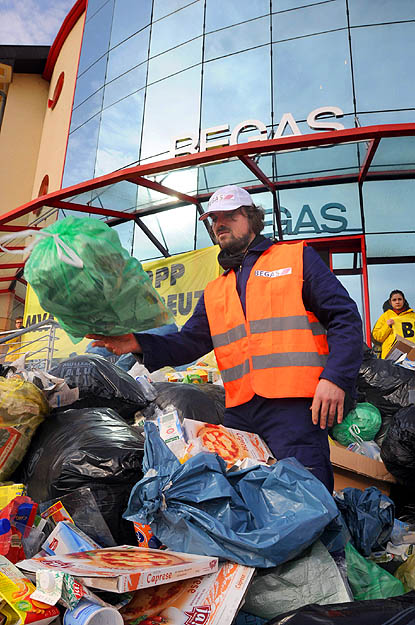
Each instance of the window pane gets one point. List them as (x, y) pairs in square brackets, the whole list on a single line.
[(175, 60), (86, 110), (203, 239), (385, 278), (143, 248), (309, 20), (320, 161), (126, 233), (80, 154), (389, 206), (164, 227), (384, 53), (130, 16), (369, 12), (229, 40), (164, 7), (283, 5), (96, 36), (216, 175), (162, 122), (395, 153), (119, 137), (320, 211), (386, 117), (227, 98), (125, 85), (93, 6), (220, 14), (92, 80), (128, 54), (312, 72), (381, 245), (177, 28)]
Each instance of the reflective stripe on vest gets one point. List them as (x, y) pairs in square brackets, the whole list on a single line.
[(279, 349)]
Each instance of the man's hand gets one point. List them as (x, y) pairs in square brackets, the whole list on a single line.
[(123, 344), (327, 399), (390, 322)]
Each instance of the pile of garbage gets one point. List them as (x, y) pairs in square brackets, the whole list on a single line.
[(130, 502)]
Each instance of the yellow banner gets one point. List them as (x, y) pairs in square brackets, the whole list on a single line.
[(180, 281)]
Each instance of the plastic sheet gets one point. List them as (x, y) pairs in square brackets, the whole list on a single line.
[(111, 294), (369, 516), (392, 611), (398, 449), (102, 384), (90, 447), (260, 517), (205, 402), (364, 420), (81, 505), (368, 580), (313, 577)]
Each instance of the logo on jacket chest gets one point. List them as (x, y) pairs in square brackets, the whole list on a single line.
[(276, 273)]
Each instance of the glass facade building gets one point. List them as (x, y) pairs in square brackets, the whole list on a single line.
[(154, 71)]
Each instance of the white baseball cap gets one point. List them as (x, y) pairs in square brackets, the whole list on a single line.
[(227, 198)]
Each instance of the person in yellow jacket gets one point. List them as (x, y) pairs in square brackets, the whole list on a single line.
[(398, 320)]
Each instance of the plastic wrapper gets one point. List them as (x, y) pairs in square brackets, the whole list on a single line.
[(313, 577), (22, 408), (205, 402), (368, 580), (110, 294), (90, 447), (385, 385), (103, 384), (366, 448), (392, 611), (369, 516), (83, 510), (406, 573), (398, 448), (262, 516), (364, 420)]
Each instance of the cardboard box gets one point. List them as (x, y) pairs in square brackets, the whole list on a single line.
[(352, 469), (125, 568), (211, 600), (399, 347), (232, 445)]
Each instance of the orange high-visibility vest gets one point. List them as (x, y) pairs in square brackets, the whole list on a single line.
[(278, 349)]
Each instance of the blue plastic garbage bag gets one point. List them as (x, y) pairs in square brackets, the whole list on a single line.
[(369, 516), (259, 517)]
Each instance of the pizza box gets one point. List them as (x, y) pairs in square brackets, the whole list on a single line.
[(211, 600), (399, 347), (232, 445), (352, 469), (125, 568)]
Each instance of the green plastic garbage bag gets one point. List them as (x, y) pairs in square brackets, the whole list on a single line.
[(361, 423), (368, 580), (312, 577), (89, 282)]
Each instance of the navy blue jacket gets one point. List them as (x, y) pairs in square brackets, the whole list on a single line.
[(323, 295)]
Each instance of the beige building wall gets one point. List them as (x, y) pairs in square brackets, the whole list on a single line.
[(20, 136), (56, 122)]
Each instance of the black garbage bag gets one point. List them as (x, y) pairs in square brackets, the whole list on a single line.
[(395, 610), (102, 383), (385, 385), (398, 449), (369, 516), (91, 447), (200, 402)]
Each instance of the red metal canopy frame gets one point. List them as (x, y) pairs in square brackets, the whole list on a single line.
[(140, 174)]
